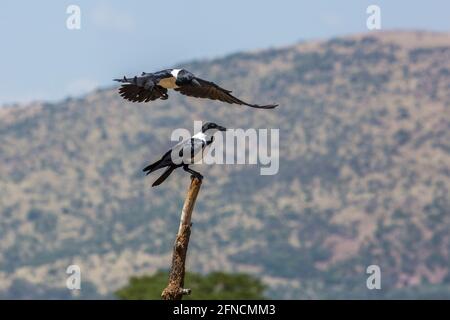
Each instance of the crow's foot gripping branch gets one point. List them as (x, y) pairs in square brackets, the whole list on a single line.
[(194, 173)]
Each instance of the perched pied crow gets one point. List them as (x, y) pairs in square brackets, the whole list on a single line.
[(152, 86), (185, 152)]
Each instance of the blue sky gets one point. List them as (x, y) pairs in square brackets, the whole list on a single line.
[(42, 60)]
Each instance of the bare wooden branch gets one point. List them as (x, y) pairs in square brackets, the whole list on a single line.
[(175, 290)]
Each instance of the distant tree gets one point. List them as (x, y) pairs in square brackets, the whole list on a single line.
[(214, 286)]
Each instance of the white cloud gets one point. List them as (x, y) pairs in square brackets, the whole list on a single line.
[(108, 17)]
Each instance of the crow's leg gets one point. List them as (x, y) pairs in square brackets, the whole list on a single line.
[(194, 173)]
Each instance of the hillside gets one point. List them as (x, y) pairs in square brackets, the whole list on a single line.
[(364, 176)]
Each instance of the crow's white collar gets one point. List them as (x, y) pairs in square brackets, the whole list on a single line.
[(175, 72)]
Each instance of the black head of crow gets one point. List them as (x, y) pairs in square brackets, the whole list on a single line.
[(212, 126), (153, 86)]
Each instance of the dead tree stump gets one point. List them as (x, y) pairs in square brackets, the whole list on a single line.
[(175, 289)]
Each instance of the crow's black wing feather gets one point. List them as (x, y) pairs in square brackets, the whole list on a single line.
[(200, 88), (141, 89), (136, 93), (191, 147)]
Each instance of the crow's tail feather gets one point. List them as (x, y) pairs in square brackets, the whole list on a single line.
[(163, 177), (133, 80), (123, 80), (152, 167)]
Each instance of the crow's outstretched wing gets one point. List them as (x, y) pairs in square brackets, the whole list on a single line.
[(135, 93), (200, 88), (141, 89)]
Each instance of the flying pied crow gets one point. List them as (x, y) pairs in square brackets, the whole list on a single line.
[(152, 86), (184, 153)]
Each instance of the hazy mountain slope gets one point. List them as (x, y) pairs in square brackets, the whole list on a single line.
[(364, 175)]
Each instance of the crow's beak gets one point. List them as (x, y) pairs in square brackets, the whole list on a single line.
[(221, 128)]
